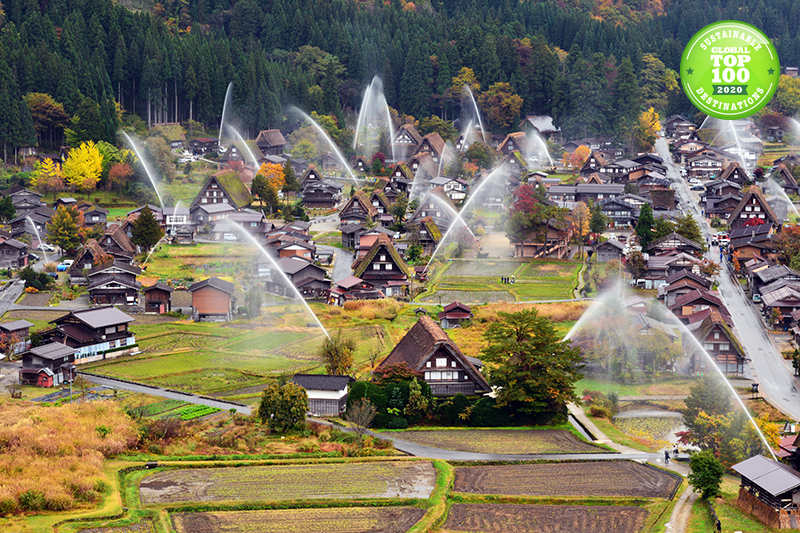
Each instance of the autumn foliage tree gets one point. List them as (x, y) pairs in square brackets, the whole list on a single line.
[(530, 214), (118, 176), (274, 174), (577, 158), (580, 218), (48, 178), (83, 167), (501, 105), (63, 229), (646, 131), (337, 354)]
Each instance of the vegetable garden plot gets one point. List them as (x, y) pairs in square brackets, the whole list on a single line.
[(341, 520), (501, 441), (482, 268), (291, 482), (469, 518), (578, 479)]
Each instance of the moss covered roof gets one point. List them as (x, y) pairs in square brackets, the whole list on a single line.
[(235, 189)]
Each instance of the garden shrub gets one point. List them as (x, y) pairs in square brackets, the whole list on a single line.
[(486, 413), (397, 422), (308, 446), (600, 412)]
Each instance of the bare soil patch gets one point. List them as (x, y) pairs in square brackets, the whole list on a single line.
[(37, 299), (471, 518), (501, 441), (396, 479), (144, 527), (574, 479), (342, 520)]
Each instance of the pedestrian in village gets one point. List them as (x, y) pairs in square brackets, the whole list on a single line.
[(675, 452), (666, 457)]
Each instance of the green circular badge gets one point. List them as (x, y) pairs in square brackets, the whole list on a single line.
[(729, 70)]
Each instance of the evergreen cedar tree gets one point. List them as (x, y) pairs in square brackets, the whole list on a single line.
[(534, 371), (7, 211), (283, 407), (104, 55), (706, 474), (145, 229), (645, 225)]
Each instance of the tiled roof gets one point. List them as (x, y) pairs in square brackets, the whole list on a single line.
[(219, 284), (52, 351), (322, 382), (98, 317)]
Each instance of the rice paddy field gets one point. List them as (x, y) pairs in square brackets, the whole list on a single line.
[(500, 441), (479, 281)]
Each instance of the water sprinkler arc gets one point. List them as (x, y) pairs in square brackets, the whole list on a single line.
[(144, 165), (330, 143), (280, 272), (463, 208), (612, 294), (247, 148), (224, 112), (38, 238), (477, 111)]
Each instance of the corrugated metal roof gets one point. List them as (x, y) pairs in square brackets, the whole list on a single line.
[(772, 476)]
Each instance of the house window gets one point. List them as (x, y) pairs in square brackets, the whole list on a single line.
[(427, 376), (453, 364), (388, 266), (253, 224), (716, 334), (376, 266), (383, 258), (428, 364), (441, 362), (436, 375), (708, 346), (724, 346), (203, 201), (200, 218)]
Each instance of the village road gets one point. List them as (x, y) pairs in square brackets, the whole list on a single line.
[(769, 370)]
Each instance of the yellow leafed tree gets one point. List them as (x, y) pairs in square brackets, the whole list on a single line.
[(48, 177), (647, 130), (83, 167), (274, 175), (580, 218)]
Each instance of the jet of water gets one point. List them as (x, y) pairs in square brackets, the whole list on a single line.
[(145, 166), (287, 281), (778, 191), (153, 249), (738, 146), (224, 112), (174, 224), (330, 143), (605, 303), (477, 112), (246, 147), (497, 171), (543, 147), (38, 238), (374, 108)]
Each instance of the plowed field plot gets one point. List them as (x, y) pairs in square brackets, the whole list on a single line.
[(501, 441), (468, 296), (291, 482), (466, 518), (600, 478), (344, 520)]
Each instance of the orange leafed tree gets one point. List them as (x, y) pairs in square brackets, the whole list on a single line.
[(577, 158), (274, 174)]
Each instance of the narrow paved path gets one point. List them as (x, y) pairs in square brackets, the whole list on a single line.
[(679, 519)]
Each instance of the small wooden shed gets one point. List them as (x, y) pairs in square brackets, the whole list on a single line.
[(158, 298)]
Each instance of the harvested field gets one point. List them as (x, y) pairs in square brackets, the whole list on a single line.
[(291, 482), (468, 296), (483, 268), (599, 478), (500, 441), (466, 518), (342, 520)]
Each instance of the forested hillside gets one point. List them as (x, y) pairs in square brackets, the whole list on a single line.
[(172, 61)]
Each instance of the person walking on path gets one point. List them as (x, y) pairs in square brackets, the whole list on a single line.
[(666, 457)]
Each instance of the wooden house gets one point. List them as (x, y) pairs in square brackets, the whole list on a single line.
[(784, 176), (622, 171), (350, 234), (751, 241), (306, 277), (212, 300), (686, 148), (752, 209), (158, 298), (383, 267), (358, 210), (783, 298), (321, 194), (427, 348), (301, 249), (115, 242), (381, 202), (722, 207), (33, 224), (13, 254), (734, 173), (362, 165), (592, 164), (660, 266), (223, 188), (438, 206), (790, 160), (48, 365), (353, 288), (679, 126), (514, 142), (619, 213), (19, 332), (66, 201), (543, 126), (327, 395), (611, 250), (434, 145), (96, 334), (769, 490), (455, 314), (24, 200), (368, 237), (717, 339), (705, 164), (426, 234), (270, 142), (95, 215), (674, 241), (207, 214), (204, 145), (401, 177), (514, 164), (551, 240), (763, 276), (406, 141), (114, 282), (696, 301)]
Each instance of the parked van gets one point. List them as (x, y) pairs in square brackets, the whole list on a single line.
[(229, 237)]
